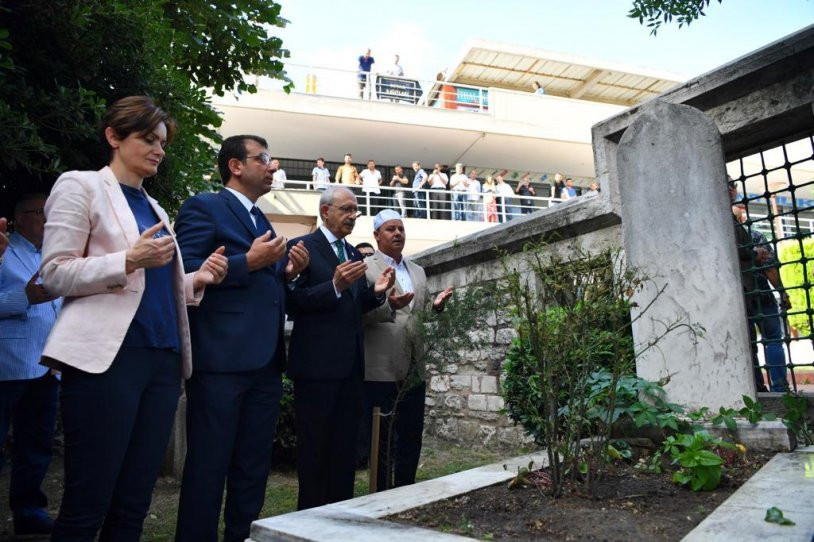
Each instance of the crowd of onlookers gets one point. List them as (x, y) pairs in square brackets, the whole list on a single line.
[(439, 193)]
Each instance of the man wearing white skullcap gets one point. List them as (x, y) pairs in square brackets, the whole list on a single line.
[(392, 357)]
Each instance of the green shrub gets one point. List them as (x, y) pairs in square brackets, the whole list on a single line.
[(285, 439), (795, 281)]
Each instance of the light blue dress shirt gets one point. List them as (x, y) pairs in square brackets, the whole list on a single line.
[(23, 327)]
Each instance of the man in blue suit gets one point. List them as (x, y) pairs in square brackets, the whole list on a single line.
[(326, 352), (238, 346), (28, 391)]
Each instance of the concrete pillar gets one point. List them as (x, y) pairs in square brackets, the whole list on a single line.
[(677, 227)]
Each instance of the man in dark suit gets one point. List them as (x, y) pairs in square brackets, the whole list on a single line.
[(238, 346), (326, 352)]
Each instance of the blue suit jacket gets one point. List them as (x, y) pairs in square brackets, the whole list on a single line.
[(239, 324), (327, 341)]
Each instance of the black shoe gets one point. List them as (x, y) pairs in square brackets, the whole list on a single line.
[(37, 523)]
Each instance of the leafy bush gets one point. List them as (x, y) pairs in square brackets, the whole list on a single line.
[(569, 372), (285, 439), (799, 287), (701, 467)]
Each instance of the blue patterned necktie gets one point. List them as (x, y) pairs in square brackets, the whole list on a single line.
[(340, 250)]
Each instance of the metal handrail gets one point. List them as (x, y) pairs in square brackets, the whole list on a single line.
[(428, 205), (344, 83)]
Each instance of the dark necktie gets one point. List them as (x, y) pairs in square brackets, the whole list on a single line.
[(259, 220), (340, 250)]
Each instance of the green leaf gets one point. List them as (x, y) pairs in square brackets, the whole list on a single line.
[(707, 458), (731, 424), (775, 515)]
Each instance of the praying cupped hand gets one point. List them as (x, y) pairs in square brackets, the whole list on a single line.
[(149, 251), (385, 281), (298, 258), (213, 270), (347, 273), (399, 301), (441, 299)]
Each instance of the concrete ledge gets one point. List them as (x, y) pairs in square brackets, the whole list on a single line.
[(787, 482), (763, 436), (567, 220), (357, 519)]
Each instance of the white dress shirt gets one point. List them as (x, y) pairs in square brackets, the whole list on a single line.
[(246, 202)]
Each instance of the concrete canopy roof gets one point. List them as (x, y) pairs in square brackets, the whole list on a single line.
[(428, 135), (486, 63)]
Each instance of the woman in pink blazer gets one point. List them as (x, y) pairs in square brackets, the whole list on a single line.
[(122, 338)]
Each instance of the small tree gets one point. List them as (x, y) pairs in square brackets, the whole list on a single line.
[(567, 373), (439, 339)]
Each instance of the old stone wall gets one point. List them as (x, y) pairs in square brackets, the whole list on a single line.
[(464, 402)]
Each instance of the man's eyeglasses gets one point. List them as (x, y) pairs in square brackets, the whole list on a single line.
[(347, 209), (263, 158), (38, 212)]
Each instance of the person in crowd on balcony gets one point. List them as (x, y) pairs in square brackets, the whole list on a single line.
[(593, 190), (489, 199), (346, 174), (395, 371), (396, 68), (399, 182), (122, 340), (365, 249), (28, 390), (569, 192), (457, 184), (538, 88), (371, 187), (524, 189), (365, 73), (557, 186), (438, 181), (762, 309), (3, 237), (505, 200), (278, 177), (326, 352), (474, 210), (320, 176), (420, 184), (238, 346)]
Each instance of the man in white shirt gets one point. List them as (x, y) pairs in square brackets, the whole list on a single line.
[(474, 211), (320, 176), (371, 183), (458, 185), (278, 178), (506, 209), (396, 68), (438, 180)]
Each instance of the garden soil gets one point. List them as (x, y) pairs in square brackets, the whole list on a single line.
[(632, 505)]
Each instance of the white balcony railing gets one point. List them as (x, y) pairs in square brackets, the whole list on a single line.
[(374, 86), (435, 204)]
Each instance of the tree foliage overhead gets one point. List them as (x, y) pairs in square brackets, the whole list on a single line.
[(656, 12), (62, 61)]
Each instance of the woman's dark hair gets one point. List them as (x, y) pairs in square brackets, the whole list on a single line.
[(135, 115)]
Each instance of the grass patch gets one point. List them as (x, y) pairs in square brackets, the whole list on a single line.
[(438, 459)]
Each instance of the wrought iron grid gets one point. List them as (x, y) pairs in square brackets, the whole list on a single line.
[(775, 195)]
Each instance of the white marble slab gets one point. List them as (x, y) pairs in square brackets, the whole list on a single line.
[(357, 519)]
